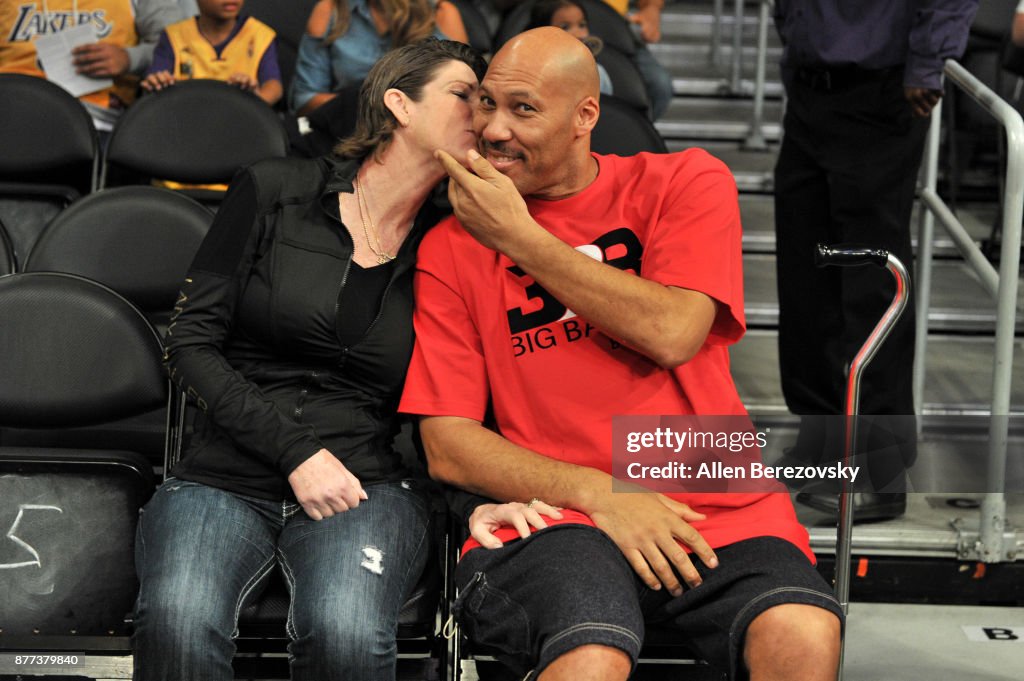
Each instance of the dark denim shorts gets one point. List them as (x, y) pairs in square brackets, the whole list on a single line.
[(534, 600)]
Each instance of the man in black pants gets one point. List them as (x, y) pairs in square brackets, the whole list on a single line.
[(861, 80)]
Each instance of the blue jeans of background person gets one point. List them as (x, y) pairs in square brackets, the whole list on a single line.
[(202, 554), (657, 81)]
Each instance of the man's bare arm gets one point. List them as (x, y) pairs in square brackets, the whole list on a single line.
[(664, 323), (645, 526)]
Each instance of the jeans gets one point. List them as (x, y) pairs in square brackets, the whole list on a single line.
[(657, 81), (203, 554)]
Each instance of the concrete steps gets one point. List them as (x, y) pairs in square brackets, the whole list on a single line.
[(705, 113), (958, 376)]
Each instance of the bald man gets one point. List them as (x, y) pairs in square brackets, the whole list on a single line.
[(568, 288)]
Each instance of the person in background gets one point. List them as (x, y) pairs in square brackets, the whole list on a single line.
[(292, 333), (1017, 33), (570, 16), (449, 20), (861, 85), (657, 80), (127, 31), (220, 45), (344, 38)]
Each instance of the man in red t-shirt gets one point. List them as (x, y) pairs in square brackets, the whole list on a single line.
[(612, 289)]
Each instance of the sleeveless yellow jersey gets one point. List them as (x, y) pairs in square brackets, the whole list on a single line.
[(194, 56), (22, 20)]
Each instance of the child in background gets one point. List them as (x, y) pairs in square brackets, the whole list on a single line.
[(218, 45), (572, 18), (345, 38)]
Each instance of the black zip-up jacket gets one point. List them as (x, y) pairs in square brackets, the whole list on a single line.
[(254, 336)]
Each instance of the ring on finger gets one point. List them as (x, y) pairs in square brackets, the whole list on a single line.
[(533, 501)]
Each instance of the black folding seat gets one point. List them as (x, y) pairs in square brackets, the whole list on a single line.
[(72, 353), (137, 240), (7, 263), (624, 130), (627, 83), (50, 155), (197, 132)]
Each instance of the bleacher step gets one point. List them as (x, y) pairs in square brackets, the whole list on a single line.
[(758, 212), (958, 376), (671, 54), (710, 82), (959, 303), (693, 118), (682, 20)]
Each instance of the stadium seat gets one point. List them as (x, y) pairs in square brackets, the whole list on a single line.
[(627, 84), (49, 156), (604, 22), (624, 130), (333, 120), (139, 241), (476, 26), (7, 262), (197, 132), (72, 353), (46, 131), (288, 19)]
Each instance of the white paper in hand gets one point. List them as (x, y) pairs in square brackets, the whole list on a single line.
[(54, 52)]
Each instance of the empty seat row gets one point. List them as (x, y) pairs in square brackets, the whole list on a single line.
[(137, 240), (199, 131), (74, 353), (196, 132)]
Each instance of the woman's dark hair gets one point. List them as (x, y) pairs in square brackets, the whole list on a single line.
[(407, 20), (408, 69), (543, 10)]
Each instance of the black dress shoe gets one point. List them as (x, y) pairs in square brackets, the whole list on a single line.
[(867, 506)]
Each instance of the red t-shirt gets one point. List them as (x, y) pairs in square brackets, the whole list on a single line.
[(486, 331)]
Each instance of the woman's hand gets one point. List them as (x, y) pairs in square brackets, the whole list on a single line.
[(488, 518), (323, 486)]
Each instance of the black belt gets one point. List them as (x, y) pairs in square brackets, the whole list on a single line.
[(834, 78)]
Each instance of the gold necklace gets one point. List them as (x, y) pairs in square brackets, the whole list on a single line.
[(383, 257)]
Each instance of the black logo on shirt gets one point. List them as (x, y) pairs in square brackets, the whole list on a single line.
[(540, 328)]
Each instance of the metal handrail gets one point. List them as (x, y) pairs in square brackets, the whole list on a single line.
[(992, 545), (733, 85), (736, 70), (755, 138), (715, 56)]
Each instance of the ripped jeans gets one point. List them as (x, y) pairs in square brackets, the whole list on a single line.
[(202, 554)]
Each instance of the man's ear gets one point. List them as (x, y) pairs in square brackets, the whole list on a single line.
[(587, 113), (398, 104)]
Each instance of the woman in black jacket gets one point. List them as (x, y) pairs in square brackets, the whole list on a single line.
[(292, 334)]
